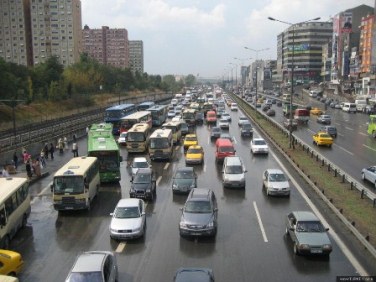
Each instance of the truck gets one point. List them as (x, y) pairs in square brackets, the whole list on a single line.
[(371, 130), (286, 109)]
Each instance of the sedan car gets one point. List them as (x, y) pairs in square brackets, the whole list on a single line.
[(11, 262), (270, 113), (226, 116), (369, 174), (143, 184), (308, 234), (259, 146), (324, 119), (184, 180), (122, 140), (275, 183), (139, 162), (224, 123), (322, 138), (199, 214), (316, 111), (98, 266), (330, 129), (242, 119), (194, 274), (215, 132), (234, 107), (194, 155), (128, 219), (246, 129), (189, 140)]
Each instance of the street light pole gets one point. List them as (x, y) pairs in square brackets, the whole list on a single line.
[(291, 143)]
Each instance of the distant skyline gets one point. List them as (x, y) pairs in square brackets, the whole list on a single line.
[(202, 38)]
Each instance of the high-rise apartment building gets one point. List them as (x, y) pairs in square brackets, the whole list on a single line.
[(136, 56), (365, 44), (300, 46), (15, 45), (56, 30), (108, 46)]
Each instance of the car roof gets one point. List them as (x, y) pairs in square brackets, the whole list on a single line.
[(90, 261), (139, 160), (195, 147), (233, 160), (199, 194), (185, 168), (188, 274), (143, 170), (274, 171), (258, 139), (305, 216), (128, 202)]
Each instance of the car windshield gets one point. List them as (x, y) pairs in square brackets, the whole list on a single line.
[(184, 174), (277, 177), (234, 169), (198, 207), (142, 178), (85, 277), (216, 129), (224, 149), (191, 138), (310, 226), (127, 212), (194, 151), (140, 165), (325, 136), (246, 126), (259, 142)]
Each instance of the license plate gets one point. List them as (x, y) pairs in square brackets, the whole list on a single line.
[(316, 251), (68, 208)]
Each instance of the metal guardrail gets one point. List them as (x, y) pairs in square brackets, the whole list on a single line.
[(331, 167)]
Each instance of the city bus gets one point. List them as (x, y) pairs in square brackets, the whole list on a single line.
[(161, 144), (158, 114), (145, 106), (114, 115), (14, 207), (175, 127), (102, 145), (137, 117), (76, 184), (138, 138)]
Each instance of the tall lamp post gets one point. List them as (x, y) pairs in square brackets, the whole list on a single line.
[(291, 143)]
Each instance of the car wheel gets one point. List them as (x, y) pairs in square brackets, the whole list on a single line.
[(296, 251), (363, 176)]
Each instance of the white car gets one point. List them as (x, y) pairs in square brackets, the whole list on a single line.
[(139, 162), (224, 123), (259, 146), (234, 107), (226, 116), (122, 140), (171, 114), (275, 182), (242, 119), (369, 174), (128, 220)]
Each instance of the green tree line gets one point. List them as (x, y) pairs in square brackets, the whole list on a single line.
[(50, 81)]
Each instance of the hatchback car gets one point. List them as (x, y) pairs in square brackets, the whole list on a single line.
[(128, 219), (242, 119), (186, 274), (100, 266), (259, 146), (139, 162), (143, 184), (215, 132), (224, 123), (184, 180), (307, 233), (11, 262), (199, 214), (275, 183), (330, 129), (324, 119), (194, 155), (234, 107)]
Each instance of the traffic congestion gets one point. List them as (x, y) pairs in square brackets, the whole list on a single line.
[(201, 194)]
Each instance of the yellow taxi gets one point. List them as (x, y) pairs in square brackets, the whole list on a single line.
[(189, 140), (322, 138), (316, 111), (194, 155), (10, 262)]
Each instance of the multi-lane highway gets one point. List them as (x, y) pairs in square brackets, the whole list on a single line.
[(250, 244)]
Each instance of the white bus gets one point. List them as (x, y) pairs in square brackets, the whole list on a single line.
[(161, 144), (14, 207), (76, 184)]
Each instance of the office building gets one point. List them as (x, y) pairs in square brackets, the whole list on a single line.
[(136, 56)]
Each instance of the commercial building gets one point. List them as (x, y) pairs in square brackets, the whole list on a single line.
[(136, 56)]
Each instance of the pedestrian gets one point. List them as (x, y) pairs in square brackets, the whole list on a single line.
[(74, 138), (60, 145), (75, 149), (52, 150), (25, 156), (29, 168), (15, 160), (5, 172), (42, 158), (36, 167), (66, 147), (45, 149)]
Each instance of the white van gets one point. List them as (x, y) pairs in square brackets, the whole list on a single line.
[(233, 172), (361, 105), (349, 107)]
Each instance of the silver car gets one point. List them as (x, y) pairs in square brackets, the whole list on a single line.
[(128, 220), (233, 172), (98, 266), (307, 233), (275, 182)]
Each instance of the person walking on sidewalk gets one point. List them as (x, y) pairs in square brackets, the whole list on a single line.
[(15, 160), (42, 158), (45, 149), (60, 145), (52, 150), (29, 168), (36, 167), (75, 149)]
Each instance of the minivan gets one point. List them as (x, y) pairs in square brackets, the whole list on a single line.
[(349, 107), (233, 172), (223, 148)]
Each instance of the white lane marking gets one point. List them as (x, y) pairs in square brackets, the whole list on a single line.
[(310, 130), (343, 149), (368, 147), (166, 166), (159, 180), (208, 140), (260, 222), (234, 140), (362, 133), (359, 268), (349, 128), (120, 248), (337, 123), (204, 167), (177, 148), (341, 135), (42, 193)]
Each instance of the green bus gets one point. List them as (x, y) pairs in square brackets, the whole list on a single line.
[(102, 145), (372, 126)]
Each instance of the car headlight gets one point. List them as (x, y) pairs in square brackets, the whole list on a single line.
[(327, 247), (192, 185), (210, 224), (113, 230), (183, 225), (174, 186), (137, 229), (304, 247), (148, 190)]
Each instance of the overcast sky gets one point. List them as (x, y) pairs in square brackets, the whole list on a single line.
[(202, 37)]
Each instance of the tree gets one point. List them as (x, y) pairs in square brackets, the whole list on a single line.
[(190, 80)]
